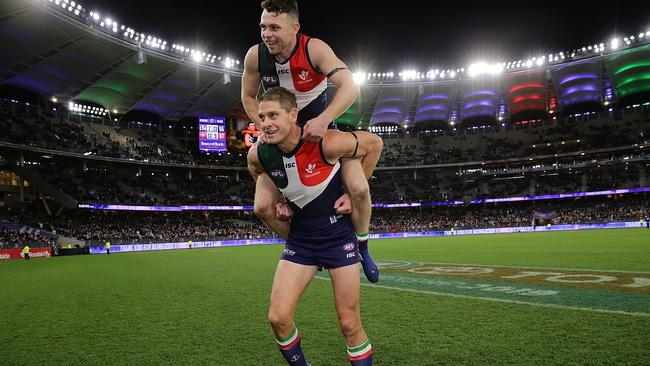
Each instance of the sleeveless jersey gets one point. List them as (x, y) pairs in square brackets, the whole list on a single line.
[(298, 75), (311, 185)]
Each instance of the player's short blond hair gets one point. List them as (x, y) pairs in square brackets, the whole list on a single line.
[(281, 95)]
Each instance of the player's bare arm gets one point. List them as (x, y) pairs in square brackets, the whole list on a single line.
[(253, 162), (338, 73), (250, 85), (358, 144)]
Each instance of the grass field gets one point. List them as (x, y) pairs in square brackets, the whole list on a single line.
[(208, 307)]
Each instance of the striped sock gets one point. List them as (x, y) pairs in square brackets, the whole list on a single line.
[(291, 350), (361, 355)]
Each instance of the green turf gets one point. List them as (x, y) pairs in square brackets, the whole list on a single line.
[(208, 307)]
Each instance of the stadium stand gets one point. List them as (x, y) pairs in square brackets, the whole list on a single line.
[(109, 119)]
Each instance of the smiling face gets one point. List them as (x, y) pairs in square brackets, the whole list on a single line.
[(277, 122), (278, 31)]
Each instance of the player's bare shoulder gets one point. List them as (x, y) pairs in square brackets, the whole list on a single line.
[(251, 58)]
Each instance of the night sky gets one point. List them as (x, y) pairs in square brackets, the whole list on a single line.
[(419, 35)]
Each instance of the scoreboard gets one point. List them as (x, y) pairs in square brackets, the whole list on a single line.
[(212, 134)]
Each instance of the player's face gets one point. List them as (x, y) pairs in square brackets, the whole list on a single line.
[(276, 121), (277, 31)]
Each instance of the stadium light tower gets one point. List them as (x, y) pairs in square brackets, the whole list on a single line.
[(359, 77)]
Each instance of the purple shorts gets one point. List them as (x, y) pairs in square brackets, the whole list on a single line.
[(338, 253)]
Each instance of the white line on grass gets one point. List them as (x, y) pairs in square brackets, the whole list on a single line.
[(554, 306)]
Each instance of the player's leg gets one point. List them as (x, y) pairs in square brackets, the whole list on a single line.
[(266, 195), (356, 184), (288, 285), (347, 289)]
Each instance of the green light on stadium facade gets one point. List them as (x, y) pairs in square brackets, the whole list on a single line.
[(630, 71), (634, 65)]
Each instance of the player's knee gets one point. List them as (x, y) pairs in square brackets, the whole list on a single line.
[(349, 323), (280, 320)]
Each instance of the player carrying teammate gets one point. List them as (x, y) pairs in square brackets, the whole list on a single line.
[(309, 176)]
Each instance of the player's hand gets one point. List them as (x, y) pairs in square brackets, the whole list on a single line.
[(261, 138), (343, 205), (315, 129), (282, 211)]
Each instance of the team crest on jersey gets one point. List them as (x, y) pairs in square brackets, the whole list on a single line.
[(310, 168), (277, 173), (348, 247), (270, 80), (304, 74)]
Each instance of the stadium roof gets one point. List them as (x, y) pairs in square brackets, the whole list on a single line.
[(51, 54), (62, 50)]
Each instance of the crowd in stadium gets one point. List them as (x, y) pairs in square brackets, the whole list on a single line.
[(522, 142), (129, 186), (151, 144), (12, 237), (55, 132), (99, 226), (582, 211)]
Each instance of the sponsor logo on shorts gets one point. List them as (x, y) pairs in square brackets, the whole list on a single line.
[(335, 218), (348, 247), (351, 255), (288, 252)]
